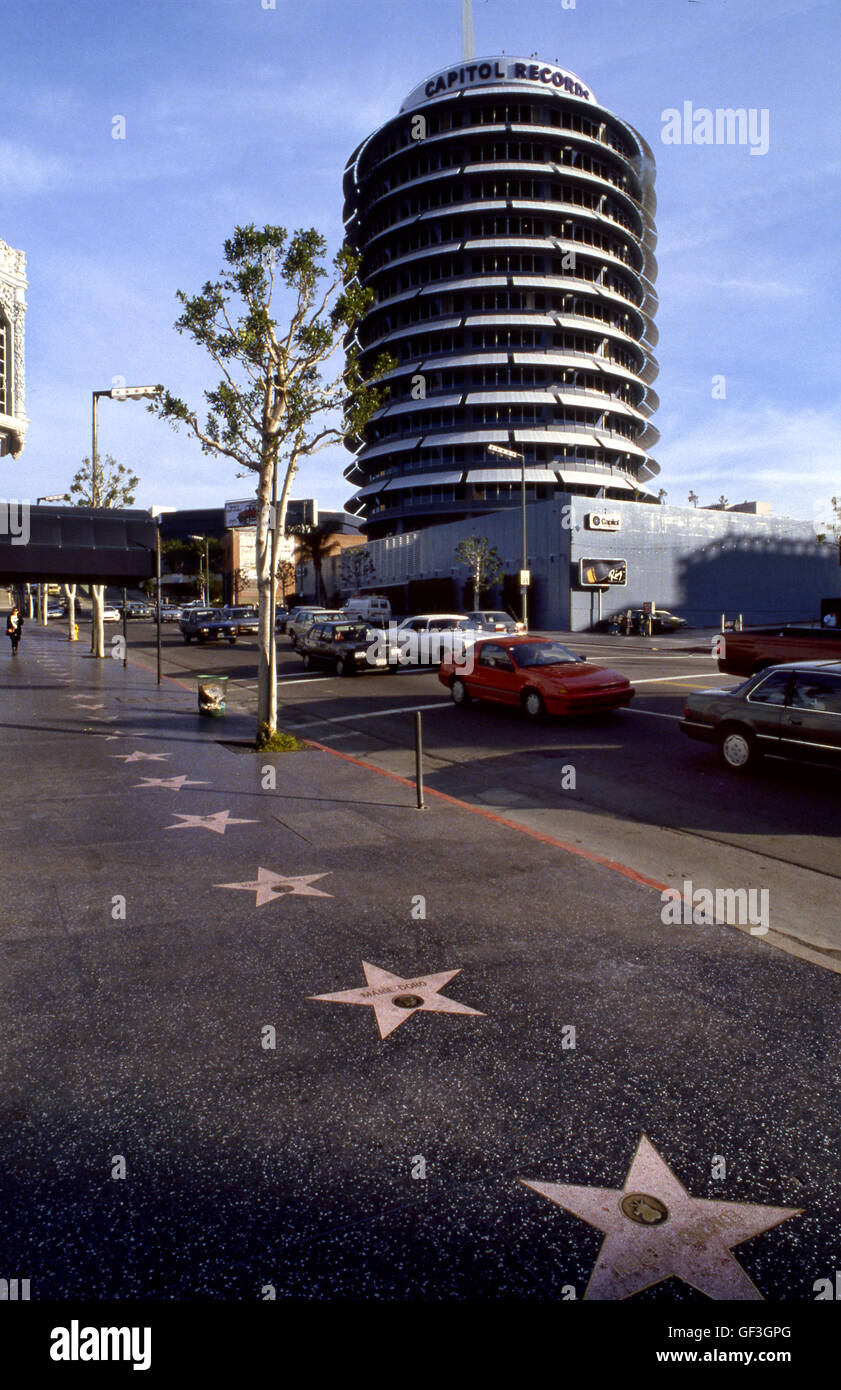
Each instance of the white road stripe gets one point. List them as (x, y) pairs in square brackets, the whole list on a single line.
[(382, 713), (692, 676), (655, 713), (303, 680)]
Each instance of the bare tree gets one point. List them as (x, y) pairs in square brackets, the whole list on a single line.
[(484, 562), (272, 406), (357, 568)]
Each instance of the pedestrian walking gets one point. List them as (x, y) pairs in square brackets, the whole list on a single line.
[(14, 628)]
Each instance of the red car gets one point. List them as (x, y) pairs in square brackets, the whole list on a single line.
[(536, 673)]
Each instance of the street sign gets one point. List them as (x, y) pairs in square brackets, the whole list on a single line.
[(525, 578), (598, 573)]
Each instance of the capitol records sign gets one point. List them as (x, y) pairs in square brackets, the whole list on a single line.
[(603, 521)]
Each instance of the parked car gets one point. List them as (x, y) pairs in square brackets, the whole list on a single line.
[(789, 711), (206, 624), (753, 649), (373, 608), (305, 617), (494, 620), (426, 638), (635, 621), (56, 608), (537, 674), (170, 612), (110, 613), (136, 608), (244, 615), (347, 645)]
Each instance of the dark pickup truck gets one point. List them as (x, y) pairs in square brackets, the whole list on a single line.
[(207, 625), (744, 653)]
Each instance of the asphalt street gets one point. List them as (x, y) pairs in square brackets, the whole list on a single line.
[(643, 794), (289, 1033)]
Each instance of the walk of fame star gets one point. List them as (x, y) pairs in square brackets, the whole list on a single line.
[(394, 999), (269, 885), (218, 822), (655, 1230), (141, 757), (172, 783)]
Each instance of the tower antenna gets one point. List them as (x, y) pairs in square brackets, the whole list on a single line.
[(468, 43)]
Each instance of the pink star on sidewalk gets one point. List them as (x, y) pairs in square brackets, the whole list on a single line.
[(394, 999), (171, 783), (141, 757), (268, 886), (655, 1230), (218, 822)]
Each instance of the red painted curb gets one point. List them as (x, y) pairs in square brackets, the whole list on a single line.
[(589, 855)]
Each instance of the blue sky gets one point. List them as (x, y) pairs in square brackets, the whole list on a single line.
[(237, 113)]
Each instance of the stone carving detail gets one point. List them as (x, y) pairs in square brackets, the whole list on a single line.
[(13, 303)]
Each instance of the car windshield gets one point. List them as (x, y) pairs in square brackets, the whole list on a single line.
[(348, 632), (542, 654)]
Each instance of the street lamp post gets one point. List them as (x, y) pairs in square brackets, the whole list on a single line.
[(43, 597), (524, 571), (116, 393), (156, 513), (205, 582)]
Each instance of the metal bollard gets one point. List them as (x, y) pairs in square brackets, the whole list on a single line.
[(419, 760)]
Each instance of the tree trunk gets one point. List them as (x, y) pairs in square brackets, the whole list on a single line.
[(97, 624), (70, 593)]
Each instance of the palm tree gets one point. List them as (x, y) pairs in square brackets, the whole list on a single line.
[(693, 498), (315, 545), (723, 502)]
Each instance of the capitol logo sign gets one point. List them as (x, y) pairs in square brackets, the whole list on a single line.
[(603, 521)]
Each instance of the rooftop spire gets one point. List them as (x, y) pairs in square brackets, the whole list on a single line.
[(468, 43)]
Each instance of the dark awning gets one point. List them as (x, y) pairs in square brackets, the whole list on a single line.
[(71, 545)]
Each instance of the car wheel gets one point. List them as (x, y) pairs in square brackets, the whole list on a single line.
[(187, 639), (232, 641), (459, 692), (200, 640), (738, 749), (344, 667), (533, 706), (306, 660)]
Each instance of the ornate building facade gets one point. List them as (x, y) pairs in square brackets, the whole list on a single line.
[(13, 421), (505, 220)]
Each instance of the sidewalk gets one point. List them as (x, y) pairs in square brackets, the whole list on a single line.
[(526, 1018)]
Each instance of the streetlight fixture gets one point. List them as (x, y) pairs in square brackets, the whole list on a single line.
[(115, 393), (205, 591), (156, 514), (525, 577)]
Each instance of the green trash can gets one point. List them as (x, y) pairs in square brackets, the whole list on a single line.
[(211, 695)]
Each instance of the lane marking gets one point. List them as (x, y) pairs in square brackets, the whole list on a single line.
[(655, 714), (294, 680), (661, 680), (383, 713)]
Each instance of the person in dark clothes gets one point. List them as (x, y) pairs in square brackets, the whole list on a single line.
[(14, 628)]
